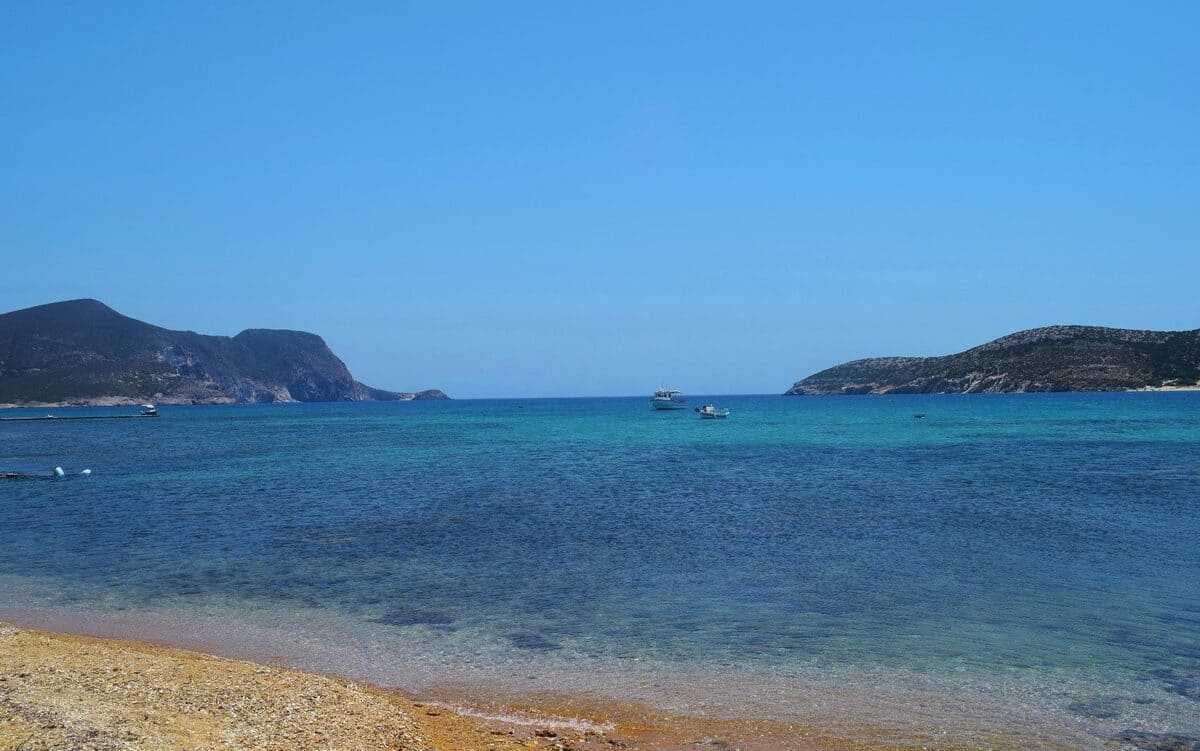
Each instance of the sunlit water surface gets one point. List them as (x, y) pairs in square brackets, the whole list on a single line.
[(1026, 561)]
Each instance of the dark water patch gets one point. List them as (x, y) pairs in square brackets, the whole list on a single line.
[(1182, 617), (1186, 684), (1125, 637), (469, 426), (532, 640), (1138, 740), (1188, 651), (1097, 709), (402, 616)]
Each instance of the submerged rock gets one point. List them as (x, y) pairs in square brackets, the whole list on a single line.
[(1097, 709), (1143, 741), (414, 617), (1179, 682), (532, 640)]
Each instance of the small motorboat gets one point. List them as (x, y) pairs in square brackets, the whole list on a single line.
[(148, 410), (709, 412)]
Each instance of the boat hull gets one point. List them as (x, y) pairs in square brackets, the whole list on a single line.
[(667, 404)]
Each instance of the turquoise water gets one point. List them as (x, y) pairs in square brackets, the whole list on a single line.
[(1025, 559)]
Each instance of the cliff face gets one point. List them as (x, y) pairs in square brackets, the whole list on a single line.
[(1054, 358), (82, 351)]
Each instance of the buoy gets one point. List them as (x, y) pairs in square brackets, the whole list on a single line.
[(86, 472), (58, 472)]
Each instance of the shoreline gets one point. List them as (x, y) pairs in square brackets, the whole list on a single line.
[(65, 690), (81, 692), (101, 402)]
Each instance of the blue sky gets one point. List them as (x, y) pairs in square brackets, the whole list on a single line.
[(566, 198)]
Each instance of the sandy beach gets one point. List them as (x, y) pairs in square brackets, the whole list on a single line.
[(61, 691)]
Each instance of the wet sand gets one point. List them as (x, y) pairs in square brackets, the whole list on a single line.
[(61, 691)]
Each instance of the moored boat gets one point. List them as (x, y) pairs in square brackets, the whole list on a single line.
[(668, 399), (709, 412)]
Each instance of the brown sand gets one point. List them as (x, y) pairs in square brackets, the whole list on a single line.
[(74, 692)]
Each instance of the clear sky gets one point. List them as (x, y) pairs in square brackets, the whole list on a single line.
[(538, 199)]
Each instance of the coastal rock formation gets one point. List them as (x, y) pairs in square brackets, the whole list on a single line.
[(1053, 358), (84, 352)]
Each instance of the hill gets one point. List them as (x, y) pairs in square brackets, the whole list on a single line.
[(84, 352), (1054, 358)]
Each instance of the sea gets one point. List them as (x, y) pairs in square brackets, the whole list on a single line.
[(1024, 566)]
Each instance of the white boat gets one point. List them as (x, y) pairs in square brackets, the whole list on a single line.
[(709, 412), (668, 399), (148, 410)]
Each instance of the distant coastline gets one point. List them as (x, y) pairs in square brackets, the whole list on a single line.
[(126, 401), (84, 353), (1053, 358)]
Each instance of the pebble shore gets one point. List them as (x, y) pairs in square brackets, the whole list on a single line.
[(72, 692), (79, 693)]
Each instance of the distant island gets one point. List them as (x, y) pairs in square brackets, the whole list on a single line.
[(82, 352), (1053, 358)]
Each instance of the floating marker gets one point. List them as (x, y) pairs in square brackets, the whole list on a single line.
[(58, 472)]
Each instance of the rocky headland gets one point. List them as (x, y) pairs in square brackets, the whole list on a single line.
[(82, 352), (1053, 358)]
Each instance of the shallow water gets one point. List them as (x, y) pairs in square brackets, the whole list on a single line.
[(1009, 559)]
